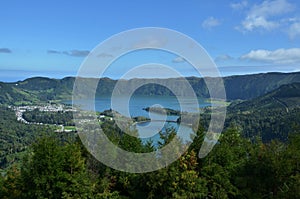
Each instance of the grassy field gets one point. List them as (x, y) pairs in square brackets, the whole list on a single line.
[(70, 128)]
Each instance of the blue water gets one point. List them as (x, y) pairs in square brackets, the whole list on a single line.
[(137, 103), (148, 131)]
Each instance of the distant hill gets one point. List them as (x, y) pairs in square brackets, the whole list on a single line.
[(36, 90), (43, 89), (252, 86), (9, 94)]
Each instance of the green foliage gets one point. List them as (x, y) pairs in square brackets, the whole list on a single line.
[(10, 184), (36, 116), (252, 86), (236, 168), (241, 165), (15, 136), (271, 116), (55, 170), (179, 180)]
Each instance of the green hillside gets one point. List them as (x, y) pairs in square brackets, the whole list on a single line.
[(35, 90), (286, 96), (273, 115), (252, 86), (10, 94), (15, 136)]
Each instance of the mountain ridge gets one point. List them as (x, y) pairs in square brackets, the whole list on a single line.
[(242, 87)]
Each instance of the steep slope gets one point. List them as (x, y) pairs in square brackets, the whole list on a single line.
[(286, 96), (273, 115), (251, 86)]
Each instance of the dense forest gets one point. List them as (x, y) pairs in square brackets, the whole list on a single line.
[(60, 167), (15, 137), (271, 116), (60, 117)]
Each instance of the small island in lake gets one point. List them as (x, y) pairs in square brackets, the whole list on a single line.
[(160, 110), (141, 119)]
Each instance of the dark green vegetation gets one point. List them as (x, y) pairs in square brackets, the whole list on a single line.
[(257, 156), (61, 117), (140, 119), (40, 90), (15, 137), (270, 116), (35, 90), (236, 168)]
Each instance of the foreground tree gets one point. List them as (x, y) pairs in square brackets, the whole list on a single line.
[(54, 170), (10, 184)]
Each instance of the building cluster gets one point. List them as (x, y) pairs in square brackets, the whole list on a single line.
[(19, 110)]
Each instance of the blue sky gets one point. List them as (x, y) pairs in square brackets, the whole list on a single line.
[(52, 38)]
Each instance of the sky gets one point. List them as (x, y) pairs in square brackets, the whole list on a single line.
[(53, 38)]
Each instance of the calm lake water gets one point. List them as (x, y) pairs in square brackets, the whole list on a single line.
[(135, 107), (137, 103)]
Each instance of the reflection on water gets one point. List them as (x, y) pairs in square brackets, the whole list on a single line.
[(152, 134), (137, 103), (135, 108)]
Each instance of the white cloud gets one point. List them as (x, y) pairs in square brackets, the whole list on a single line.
[(239, 5), (279, 56), (258, 22), (178, 60), (294, 30), (265, 15), (210, 23)]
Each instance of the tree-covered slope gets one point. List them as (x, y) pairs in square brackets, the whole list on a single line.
[(285, 97), (251, 86), (15, 136), (273, 115)]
